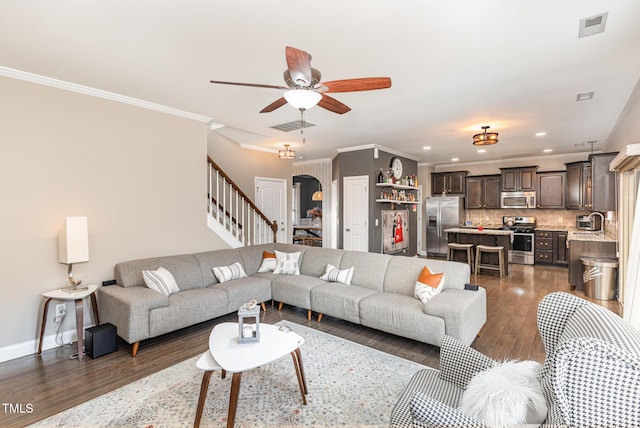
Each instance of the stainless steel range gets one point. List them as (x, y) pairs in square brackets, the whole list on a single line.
[(523, 239)]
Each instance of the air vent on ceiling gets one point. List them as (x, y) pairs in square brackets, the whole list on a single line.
[(592, 25), (292, 126), (584, 96)]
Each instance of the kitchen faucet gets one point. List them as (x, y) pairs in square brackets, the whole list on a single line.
[(601, 220)]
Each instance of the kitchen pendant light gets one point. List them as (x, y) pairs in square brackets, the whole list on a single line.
[(287, 153), (485, 138)]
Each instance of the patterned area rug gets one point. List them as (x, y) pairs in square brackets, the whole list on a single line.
[(349, 385)]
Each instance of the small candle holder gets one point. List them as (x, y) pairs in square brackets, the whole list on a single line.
[(249, 312)]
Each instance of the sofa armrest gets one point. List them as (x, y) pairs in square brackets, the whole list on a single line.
[(428, 412), (459, 362), (128, 309), (464, 312)]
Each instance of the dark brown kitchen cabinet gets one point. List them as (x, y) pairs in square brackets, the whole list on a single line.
[(521, 179), (603, 181), (551, 247), (579, 186), (551, 189), (451, 183), (482, 192)]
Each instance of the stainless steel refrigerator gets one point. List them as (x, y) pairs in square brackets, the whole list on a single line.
[(443, 212)]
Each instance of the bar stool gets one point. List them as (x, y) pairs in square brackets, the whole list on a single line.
[(461, 247), (487, 249)]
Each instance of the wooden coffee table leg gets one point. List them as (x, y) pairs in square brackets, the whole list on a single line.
[(233, 399), (204, 387), (94, 306), (296, 364), (304, 379)]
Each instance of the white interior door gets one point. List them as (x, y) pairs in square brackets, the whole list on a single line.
[(355, 215), (271, 198)]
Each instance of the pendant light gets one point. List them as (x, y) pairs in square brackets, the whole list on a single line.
[(485, 138)]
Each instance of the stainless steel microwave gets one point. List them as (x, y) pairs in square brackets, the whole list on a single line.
[(518, 200), (583, 222)]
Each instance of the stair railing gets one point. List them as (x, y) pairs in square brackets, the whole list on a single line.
[(235, 211)]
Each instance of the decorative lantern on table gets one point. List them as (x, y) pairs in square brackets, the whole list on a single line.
[(249, 312)]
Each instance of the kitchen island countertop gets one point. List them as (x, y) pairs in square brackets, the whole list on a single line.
[(481, 232)]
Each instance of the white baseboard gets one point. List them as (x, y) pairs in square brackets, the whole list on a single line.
[(31, 347)]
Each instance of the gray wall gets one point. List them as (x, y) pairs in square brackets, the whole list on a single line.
[(362, 162)]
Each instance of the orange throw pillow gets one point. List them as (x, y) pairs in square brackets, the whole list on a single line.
[(268, 262), (428, 285)]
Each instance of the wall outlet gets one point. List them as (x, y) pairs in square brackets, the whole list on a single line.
[(61, 311)]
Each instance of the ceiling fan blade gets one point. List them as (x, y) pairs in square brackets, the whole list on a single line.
[(274, 105), (333, 105), (254, 85), (299, 64), (354, 85)]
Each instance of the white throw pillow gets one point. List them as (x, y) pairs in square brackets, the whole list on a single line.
[(227, 273), (428, 285), (507, 394), (333, 274), (287, 263), (160, 280), (268, 262)]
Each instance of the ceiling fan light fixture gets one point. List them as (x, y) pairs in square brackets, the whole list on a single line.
[(302, 98), (287, 153), (485, 138)]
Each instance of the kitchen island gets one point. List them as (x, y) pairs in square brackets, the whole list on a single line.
[(491, 237)]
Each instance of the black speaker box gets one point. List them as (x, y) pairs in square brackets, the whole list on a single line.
[(100, 340)]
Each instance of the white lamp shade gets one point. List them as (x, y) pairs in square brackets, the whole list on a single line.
[(73, 241), (302, 98)]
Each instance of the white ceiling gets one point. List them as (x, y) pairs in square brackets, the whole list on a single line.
[(516, 65)]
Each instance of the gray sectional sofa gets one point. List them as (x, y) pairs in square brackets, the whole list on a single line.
[(381, 294)]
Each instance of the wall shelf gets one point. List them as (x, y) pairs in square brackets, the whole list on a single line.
[(393, 201), (396, 186)]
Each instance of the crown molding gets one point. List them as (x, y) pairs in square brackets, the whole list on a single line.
[(257, 148), (98, 93), (525, 159), (313, 162)]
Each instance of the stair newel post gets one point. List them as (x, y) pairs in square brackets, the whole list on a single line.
[(274, 228)]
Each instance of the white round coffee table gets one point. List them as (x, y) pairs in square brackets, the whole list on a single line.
[(226, 354)]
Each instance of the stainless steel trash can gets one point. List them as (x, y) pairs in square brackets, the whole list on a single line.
[(600, 277)]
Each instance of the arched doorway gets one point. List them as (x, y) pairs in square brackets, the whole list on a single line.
[(307, 210)]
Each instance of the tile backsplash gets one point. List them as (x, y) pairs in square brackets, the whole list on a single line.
[(545, 219)]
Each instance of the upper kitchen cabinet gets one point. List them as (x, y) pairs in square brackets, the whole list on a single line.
[(451, 183), (604, 182), (519, 179), (482, 192), (551, 189), (579, 186)]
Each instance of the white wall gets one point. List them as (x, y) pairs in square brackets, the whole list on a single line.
[(138, 175)]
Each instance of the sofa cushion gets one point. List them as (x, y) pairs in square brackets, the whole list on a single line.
[(400, 276), (287, 263), (184, 268), (211, 259), (339, 300), (368, 268), (333, 274), (294, 290), (316, 260), (268, 262), (401, 315), (160, 280), (428, 285), (243, 290), (227, 273)]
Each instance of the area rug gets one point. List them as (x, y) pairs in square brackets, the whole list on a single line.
[(349, 385)]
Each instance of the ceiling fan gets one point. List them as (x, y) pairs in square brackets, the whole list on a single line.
[(304, 89)]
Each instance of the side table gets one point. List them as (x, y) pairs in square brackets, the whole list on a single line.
[(78, 297)]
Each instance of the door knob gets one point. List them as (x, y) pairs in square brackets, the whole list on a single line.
[(347, 230)]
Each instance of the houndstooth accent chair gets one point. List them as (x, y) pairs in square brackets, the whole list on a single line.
[(590, 376)]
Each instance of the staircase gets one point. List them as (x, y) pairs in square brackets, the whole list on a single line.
[(232, 215)]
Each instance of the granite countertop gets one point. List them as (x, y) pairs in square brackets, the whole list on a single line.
[(590, 236), (476, 231)]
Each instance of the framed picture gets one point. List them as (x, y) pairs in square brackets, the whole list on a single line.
[(395, 231)]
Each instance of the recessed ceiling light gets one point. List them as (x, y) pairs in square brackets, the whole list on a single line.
[(547, 150), (540, 134), (584, 96), (454, 159), (482, 150), (426, 148)]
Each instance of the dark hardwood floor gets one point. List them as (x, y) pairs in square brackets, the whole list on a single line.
[(43, 386)]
